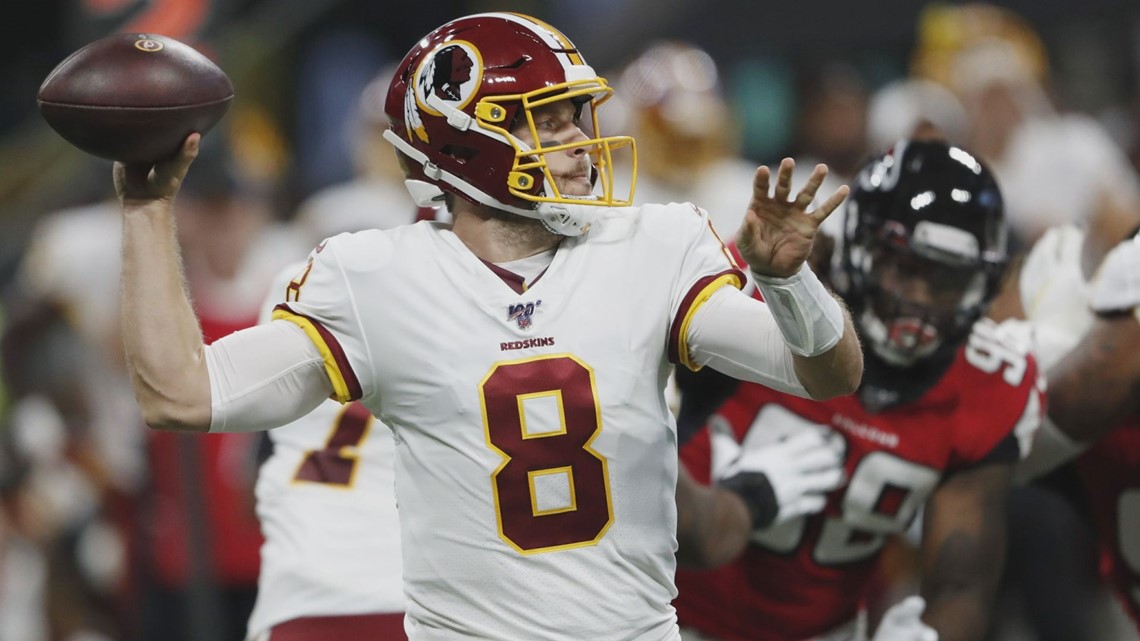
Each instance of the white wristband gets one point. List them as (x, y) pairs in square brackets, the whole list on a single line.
[(807, 314)]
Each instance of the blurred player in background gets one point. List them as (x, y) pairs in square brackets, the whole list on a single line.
[(331, 565), (947, 406), (1094, 403), (1086, 332), (520, 353)]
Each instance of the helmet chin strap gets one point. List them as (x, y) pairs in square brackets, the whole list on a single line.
[(563, 219), (923, 339)]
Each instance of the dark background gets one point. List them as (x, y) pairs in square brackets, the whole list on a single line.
[(295, 63)]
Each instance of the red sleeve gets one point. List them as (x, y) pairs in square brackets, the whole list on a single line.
[(696, 456), (1002, 401)]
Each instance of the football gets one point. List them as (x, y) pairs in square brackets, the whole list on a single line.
[(134, 97)]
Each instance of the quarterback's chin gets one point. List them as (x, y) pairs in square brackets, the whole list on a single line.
[(576, 187)]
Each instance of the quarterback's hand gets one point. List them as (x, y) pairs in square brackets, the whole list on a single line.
[(903, 622), (777, 234), (786, 479), (141, 184)]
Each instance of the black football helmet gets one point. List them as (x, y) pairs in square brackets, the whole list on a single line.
[(922, 253)]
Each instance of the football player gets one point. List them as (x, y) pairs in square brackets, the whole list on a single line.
[(1086, 329), (947, 405), (331, 562), (519, 354)]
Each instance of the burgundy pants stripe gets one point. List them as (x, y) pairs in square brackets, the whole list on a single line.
[(358, 627)]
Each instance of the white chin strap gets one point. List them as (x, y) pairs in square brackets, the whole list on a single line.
[(563, 219), (878, 335)]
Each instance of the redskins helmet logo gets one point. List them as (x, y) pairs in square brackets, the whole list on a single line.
[(451, 73)]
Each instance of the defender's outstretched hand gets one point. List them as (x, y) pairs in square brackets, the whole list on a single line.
[(144, 183), (778, 231)]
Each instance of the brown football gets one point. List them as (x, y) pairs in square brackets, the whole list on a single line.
[(134, 97)]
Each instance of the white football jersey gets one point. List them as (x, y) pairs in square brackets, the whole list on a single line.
[(536, 458), (327, 505)]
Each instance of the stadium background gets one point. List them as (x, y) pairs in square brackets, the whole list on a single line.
[(298, 68)]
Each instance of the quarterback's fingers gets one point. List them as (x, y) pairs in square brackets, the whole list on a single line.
[(807, 194), (175, 167), (784, 180), (761, 182), (830, 204)]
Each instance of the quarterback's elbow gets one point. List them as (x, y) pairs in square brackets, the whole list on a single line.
[(182, 406), (173, 416)]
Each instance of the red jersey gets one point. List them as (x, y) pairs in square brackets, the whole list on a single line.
[(807, 576), (224, 470), (1111, 474)]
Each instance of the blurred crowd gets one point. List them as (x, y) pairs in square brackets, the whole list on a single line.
[(110, 531)]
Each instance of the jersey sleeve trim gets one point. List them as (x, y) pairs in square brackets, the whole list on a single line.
[(346, 387), (698, 294)]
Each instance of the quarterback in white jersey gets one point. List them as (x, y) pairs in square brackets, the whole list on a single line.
[(543, 370), (520, 353), (327, 507)]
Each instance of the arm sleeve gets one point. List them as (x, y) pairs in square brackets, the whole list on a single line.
[(737, 335), (321, 301), (706, 266), (264, 377)]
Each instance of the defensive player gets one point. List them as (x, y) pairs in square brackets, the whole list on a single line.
[(519, 354), (946, 407), (1085, 318)]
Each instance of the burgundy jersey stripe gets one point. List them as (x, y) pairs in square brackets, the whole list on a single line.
[(342, 363), (355, 627), (683, 310), (513, 280)]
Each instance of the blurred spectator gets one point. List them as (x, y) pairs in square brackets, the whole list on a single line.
[(831, 129), (832, 121), (375, 198), (1056, 168), (901, 108), (103, 502), (686, 134)]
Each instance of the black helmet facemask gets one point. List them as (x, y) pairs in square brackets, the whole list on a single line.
[(921, 256)]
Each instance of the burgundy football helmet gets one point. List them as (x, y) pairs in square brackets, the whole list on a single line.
[(461, 90)]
